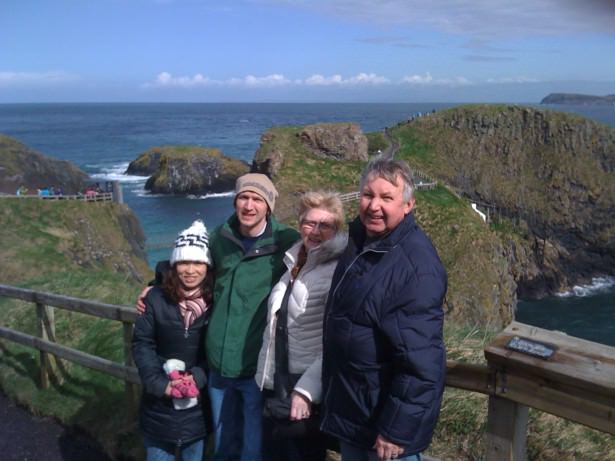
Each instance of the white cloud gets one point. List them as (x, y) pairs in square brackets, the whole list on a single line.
[(480, 18), (320, 80), (418, 79), (371, 79), (427, 79), (8, 78), (165, 79), (336, 79), (267, 81), (506, 80)]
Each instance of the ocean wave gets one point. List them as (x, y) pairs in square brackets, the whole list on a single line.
[(116, 173), (145, 194), (206, 196), (597, 285)]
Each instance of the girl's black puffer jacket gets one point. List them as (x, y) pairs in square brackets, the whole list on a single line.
[(159, 335)]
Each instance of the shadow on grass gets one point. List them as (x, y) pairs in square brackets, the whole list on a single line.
[(91, 404)]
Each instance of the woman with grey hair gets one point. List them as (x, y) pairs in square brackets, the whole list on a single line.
[(291, 355)]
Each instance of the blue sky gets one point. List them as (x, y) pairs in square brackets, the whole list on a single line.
[(304, 50)]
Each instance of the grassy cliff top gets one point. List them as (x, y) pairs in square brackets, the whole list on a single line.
[(476, 297), (88, 250), (44, 238)]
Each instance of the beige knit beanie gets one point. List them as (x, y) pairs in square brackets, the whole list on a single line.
[(259, 184)]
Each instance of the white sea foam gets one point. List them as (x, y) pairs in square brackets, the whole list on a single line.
[(116, 173), (597, 285), (145, 194), (206, 196)]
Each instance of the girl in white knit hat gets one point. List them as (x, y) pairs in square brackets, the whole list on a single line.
[(168, 350)]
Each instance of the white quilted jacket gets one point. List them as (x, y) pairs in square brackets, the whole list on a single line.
[(306, 309)]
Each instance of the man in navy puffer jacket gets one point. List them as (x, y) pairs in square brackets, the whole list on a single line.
[(384, 360)]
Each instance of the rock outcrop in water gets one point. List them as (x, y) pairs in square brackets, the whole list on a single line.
[(187, 170), (22, 166)]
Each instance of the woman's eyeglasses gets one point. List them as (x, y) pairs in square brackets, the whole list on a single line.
[(323, 226)]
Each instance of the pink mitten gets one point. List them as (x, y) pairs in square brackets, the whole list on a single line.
[(176, 391), (175, 375), (189, 389)]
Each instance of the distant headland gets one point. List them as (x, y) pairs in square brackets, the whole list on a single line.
[(574, 98)]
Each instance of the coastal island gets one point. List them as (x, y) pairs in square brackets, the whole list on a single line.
[(187, 170), (578, 99)]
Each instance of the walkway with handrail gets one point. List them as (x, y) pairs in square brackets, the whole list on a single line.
[(576, 380)]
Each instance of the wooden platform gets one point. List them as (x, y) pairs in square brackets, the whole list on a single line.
[(576, 382)]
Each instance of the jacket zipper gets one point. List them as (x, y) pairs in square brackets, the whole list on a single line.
[(352, 264), (326, 396)]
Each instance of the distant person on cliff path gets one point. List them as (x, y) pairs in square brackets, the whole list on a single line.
[(167, 347), (247, 252), (384, 358)]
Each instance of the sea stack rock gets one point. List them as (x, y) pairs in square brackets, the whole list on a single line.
[(21, 166), (341, 141), (187, 170)]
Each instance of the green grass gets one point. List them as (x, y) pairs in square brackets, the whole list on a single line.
[(86, 398), (414, 151), (376, 141), (56, 247), (440, 197)]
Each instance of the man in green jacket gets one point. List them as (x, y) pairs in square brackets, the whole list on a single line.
[(247, 251)]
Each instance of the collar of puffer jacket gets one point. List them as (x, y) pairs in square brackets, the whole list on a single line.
[(326, 251)]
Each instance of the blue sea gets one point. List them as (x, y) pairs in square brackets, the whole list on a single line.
[(103, 138)]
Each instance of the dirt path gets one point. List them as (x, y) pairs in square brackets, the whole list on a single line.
[(24, 437)]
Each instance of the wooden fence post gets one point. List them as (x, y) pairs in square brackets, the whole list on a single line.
[(506, 430), (118, 195), (129, 388), (46, 331)]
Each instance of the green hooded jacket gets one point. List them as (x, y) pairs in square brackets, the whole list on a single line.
[(242, 286)]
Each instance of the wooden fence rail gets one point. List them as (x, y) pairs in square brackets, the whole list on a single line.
[(577, 381), (46, 341)]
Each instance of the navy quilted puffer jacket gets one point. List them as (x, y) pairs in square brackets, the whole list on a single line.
[(384, 359)]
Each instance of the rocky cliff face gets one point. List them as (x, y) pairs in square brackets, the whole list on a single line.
[(332, 141), (187, 170), (22, 166), (341, 141), (551, 174)]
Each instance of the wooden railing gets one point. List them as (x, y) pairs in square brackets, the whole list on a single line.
[(577, 382), (350, 196), (99, 197), (115, 194), (46, 343)]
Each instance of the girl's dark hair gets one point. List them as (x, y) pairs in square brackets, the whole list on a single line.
[(172, 287)]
